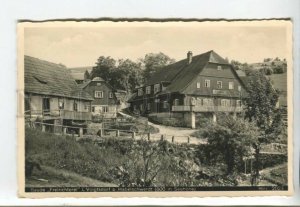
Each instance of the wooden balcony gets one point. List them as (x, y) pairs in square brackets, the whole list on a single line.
[(63, 114), (183, 108)]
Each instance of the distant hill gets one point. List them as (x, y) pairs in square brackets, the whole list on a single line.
[(78, 72)]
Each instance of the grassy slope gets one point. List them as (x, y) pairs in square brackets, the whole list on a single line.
[(279, 81), (63, 153), (277, 174)]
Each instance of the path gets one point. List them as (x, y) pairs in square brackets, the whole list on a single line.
[(181, 134)]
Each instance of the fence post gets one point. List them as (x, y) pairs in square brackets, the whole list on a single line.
[(117, 133), (133, 135), (80, 132), (162, 137), (148, 136), (188, 139), (173, 139), (64, 130), (43, 127)]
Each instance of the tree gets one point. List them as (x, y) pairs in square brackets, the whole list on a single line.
[(261, 108), (230, 140), (104, 68), (87, 75), (121, 74), (267, 70), (128, 74), (154, 62)]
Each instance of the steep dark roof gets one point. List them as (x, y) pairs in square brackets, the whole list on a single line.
[(182, 68), (187, 72), (43, 77)]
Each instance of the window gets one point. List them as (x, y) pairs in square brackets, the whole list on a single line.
[(238, 103), (156, 88), (207, 83), (225, 102), (87, 107), (46, 105), (148, 90), (140, 92), (165, 105), (111, 95), (75, 106), (98, 84), (231, 85), (98, 94), (239, 88), (219, 67), (93, 108), (61, 104), (176, 102), (219, 84), (105, 109), (141, 107), (198, 85), (149, 106)]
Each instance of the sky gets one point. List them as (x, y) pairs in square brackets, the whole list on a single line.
[(77, 45)]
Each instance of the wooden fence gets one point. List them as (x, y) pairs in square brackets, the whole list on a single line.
[(107, 132)]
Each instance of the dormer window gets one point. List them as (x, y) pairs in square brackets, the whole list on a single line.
[(219, 67), (140, 92), (156, 88)]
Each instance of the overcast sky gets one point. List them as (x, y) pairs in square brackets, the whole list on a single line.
[(81, 46)]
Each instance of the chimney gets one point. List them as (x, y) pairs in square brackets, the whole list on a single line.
[(189, 57)]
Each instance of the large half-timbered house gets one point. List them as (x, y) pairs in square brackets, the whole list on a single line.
[(205, 83)]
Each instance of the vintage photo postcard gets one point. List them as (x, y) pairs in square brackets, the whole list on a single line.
[(155, 108)]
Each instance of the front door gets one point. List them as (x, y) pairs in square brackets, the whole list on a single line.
[(46, 106)]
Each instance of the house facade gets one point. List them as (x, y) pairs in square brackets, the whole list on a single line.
[(105, 103), (53, 98), (204, 84)]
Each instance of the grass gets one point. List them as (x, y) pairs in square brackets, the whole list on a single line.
[(53, 177)]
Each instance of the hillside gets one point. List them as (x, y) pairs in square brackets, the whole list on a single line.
[(279, 81)]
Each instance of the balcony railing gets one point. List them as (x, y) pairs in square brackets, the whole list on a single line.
[(207, 108), (64, 114)]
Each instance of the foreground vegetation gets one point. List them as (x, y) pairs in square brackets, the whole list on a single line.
[(128, 162)]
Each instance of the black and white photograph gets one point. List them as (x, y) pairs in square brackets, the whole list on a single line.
[(161, 107)]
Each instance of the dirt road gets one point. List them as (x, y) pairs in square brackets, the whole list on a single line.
[(180, 134)]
